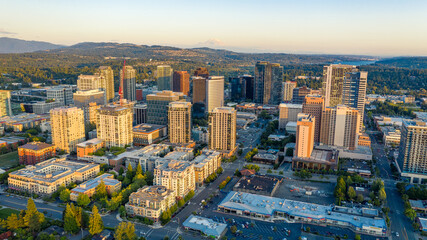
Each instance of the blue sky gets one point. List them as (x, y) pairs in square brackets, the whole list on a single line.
[(372, 27)]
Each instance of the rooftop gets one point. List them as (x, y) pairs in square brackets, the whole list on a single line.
[(174, 165), (93, 183), (152, 193), (147, 128), (36, 146), (205, 225), (257, 183), (93, 141)]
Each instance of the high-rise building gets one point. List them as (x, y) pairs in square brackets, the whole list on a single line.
[(201, 72), (61, 94), (93, 112), (164, 77), (199, 89), (288, 88), (5, 107), (181, 82), (412, 157), (214, 92), (305, 135), (242, 87), (140, 114), (298, 94), (222, 128), (340, 126), (288, 113), (107, 81), (89, 82), (129, 83), (333, 81), (158, 104), (68, 128), (354, 92), (82, 99), (114, 124), (177, 176), (268, 83), (314, 105), (179, 122)]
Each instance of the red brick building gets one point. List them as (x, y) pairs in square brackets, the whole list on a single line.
[(35, 152)]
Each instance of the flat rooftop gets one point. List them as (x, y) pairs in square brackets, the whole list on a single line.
[(257, 183), (107, 178), (205, 225), (174, 165), (152, 193), (93, 141), (147, 128), (36, 146)]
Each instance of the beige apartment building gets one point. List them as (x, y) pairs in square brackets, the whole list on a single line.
[(47, 176), (93, 112), (340, 126), (288, 88), (206, 164), (89, 187), (222, 129), (107, 81), (179, 117), (114, 124), (288, 113), (177, 176), (89, 82), (150, 202), (314, 105), (68, 128), (305, 135)]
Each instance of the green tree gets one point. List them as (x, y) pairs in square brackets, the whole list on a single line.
[(101, 190), (12, 222), (129, 172), (351, 194), (359, 198), (357, 237), (33, 219), (95, 222), (72, 219), (125, 231), (382, 195), (233, 229), (139, 169), (122, 211), (410, 213), (65, 195), (83, 200)]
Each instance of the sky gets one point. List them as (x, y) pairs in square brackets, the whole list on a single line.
[(362, 27)]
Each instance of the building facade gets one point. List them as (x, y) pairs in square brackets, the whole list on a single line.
[(333, 82), (61, 94), (140, 114), (305, 135), (298, 94), (222, 129), (89, 82), (35, 152), (314, 105), (89, 187), (177, 176), (179, 116), (354, 92), (288, 88), (199, 89), (107, 81), (83, 99), (214, 92), (5, 107), (89, 147), (181, 82), (268, 83), (146, 134), (164, 77), (68, 128), (129, 83), (206, 164), (158, 105), (288, 113)]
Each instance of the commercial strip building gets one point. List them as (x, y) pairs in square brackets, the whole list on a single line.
[(89, 147), (35, 152), (366, 221), (391, 135), (23, 121), (89, 187), (46, 177), (146, 134), (210, 228), (150, 202)]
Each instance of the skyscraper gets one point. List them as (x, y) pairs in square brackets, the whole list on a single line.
[(140, 114), (299, 93), (5, 107), (68, 127), (89, 82), (164, 77), (222, 128), (268, 83), (288, 113), (333, 81), (158, 104), (129, 83), (314, 105), (179, 126), (114, 124), (181, 82), (288, 88), (354, 92), (214, 92), (61, 94), (412, 157), (107, 81), (201, 72), (199, 89), (305, 135), (82, 99), (242, 87), (340, 126)]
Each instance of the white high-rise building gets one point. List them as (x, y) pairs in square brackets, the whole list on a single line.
[(214, 92)]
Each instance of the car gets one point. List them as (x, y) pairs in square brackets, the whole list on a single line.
[(397, 234), (243, 226), (272, 228)]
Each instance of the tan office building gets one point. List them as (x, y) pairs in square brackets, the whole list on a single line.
[(68, 128), (46, 177), (114, 124), (340, 127), (305, 135), (107, 81), (179, 117), (89, 82), (288, 113), (150, 202), (314, 105), (222, 129), (177, 176)]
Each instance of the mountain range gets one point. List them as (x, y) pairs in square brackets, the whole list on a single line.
[(13, 45)]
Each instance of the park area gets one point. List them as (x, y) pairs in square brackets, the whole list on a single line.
[(9, 160)]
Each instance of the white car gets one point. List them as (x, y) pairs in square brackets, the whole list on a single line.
[(397, 234)]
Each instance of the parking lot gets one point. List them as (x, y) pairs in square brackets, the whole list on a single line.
[(321, 193)]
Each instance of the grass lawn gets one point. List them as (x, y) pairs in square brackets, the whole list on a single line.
[(9, 160), (6, 212)]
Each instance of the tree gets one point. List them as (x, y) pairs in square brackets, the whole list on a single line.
[(382, 195), (95, 222), (65, 195), (121, 171), (83, 200), (233, 229), (129, 172), (359, 198), (33, 219), (139, 169), (357, 237), (122, 211), (101, 190), (410, 213), (125, 231), (351, 193), (12, 222)]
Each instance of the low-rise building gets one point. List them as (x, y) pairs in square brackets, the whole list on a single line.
[(35, 152), (146, 134), (419, 205), (150, 202), (206, 164), (89, 147), (177, 176), (391, 135), (266, 158), (23, 121), (320, 159), (88, 188), (364, 140), (210, 228), (46, 177), (257, 184)]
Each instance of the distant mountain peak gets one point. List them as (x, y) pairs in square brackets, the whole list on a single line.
[(14, 45)]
